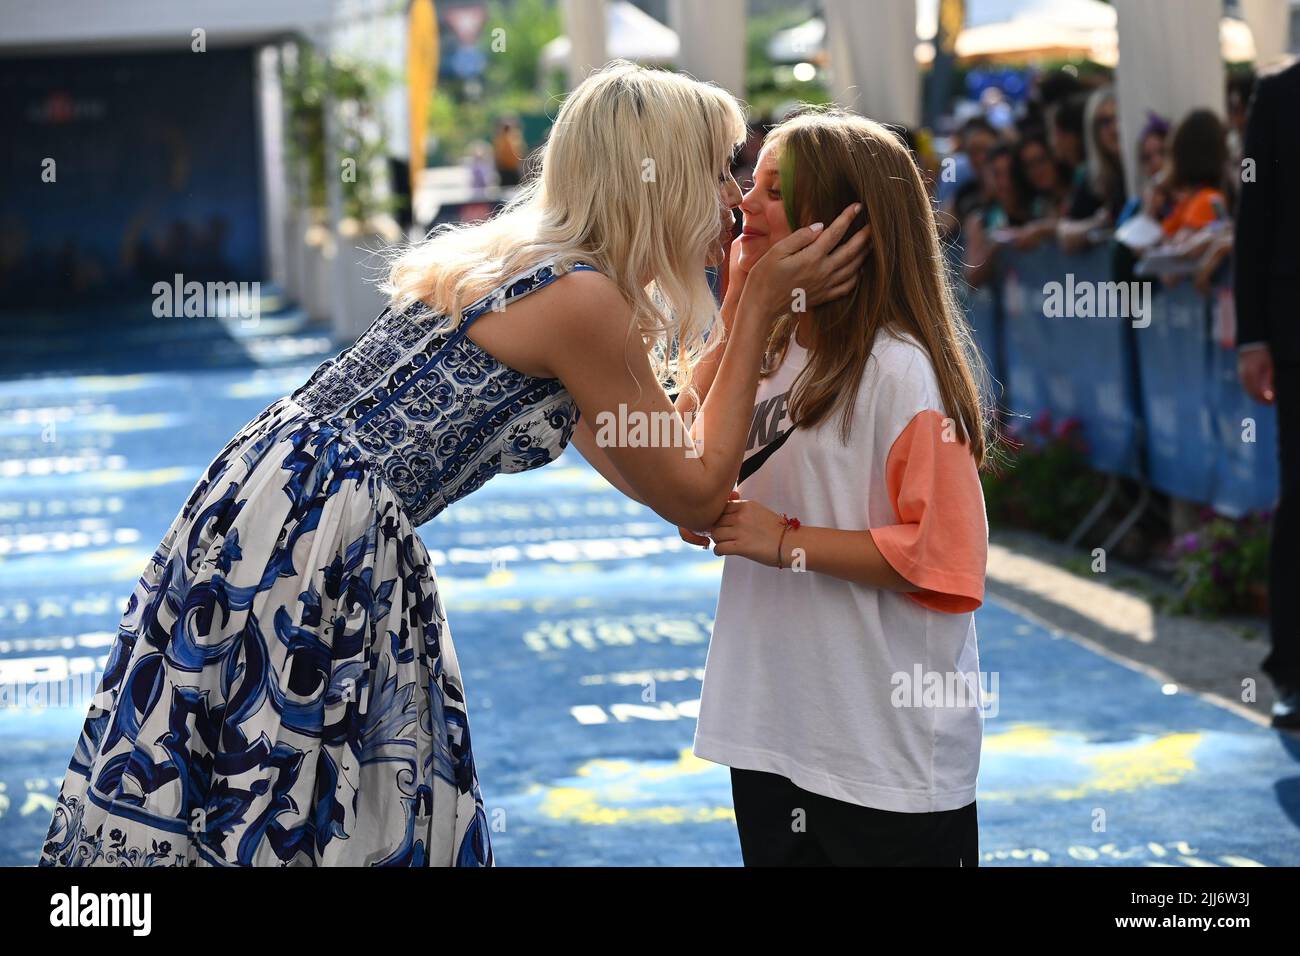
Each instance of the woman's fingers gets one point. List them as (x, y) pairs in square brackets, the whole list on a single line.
[(851, 249), (822, 262), (840, 291), (851, 255), (839, 283), (820, 239), (833, 233), (837, 289), (846, 273), (796, 241)]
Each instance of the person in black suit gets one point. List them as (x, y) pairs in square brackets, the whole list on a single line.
[(1266, 288)]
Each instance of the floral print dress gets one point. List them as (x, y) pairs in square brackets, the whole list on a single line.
[(283, 689)]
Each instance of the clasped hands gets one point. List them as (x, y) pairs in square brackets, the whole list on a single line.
[(745, 528)]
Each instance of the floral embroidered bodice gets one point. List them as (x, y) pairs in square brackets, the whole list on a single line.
[(439, 415)]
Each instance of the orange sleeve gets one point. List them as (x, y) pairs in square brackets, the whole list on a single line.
[(940, 542), (1176, 219), (1195, 212), (1172, 222), (1203, 209)]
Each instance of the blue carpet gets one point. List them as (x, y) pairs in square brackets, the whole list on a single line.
[(581, 624)]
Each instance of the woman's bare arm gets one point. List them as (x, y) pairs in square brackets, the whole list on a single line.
[(584, 439), (591, 345), (610, 377), (707, 369)]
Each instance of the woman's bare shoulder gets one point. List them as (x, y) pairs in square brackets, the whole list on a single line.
[(587, 302), (586, 288), (581, 313)]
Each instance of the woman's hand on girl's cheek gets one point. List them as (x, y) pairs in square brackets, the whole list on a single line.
[(748, 530), (809, 263), (736, 273)]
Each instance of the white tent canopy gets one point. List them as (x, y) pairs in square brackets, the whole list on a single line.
[(1010, 28), (872, 63), (1270, 27), (630, 34), (808, 38)]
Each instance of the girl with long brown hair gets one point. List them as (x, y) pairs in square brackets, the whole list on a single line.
[(846, 698)]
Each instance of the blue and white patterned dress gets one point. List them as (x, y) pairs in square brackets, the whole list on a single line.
[(283, 690)]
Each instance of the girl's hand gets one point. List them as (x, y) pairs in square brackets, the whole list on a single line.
[(749, 530), (808, 262)]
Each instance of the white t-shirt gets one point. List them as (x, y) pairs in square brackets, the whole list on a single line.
[(861, 694)]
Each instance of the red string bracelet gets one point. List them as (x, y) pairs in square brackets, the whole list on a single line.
[(787, 524)]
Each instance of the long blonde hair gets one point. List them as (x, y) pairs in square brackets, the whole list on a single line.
[(629, 184), (840, 158)]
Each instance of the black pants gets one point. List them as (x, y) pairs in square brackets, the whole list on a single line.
[(781, 824), (1283, 662)]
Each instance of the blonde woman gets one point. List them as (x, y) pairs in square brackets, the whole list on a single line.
[(283, 689)]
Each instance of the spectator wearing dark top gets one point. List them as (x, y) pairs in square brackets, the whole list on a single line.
[(1266, 287), (1047, 90), (1042, 176), (1003, 210), (978, 138), (1034, 198), (1151, 148), (1065, 130), (1099, 188)]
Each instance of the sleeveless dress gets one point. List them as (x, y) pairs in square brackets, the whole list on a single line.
[(283, 689)]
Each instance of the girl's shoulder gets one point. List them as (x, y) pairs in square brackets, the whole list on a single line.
[(899, 381), (900, 357)]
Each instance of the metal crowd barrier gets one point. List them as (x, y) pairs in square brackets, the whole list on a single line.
[(1156, 392)]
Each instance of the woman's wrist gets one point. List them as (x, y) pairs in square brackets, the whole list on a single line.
[(731, 301), (759, 299)]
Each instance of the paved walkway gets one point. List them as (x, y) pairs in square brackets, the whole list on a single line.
[(581, 624)]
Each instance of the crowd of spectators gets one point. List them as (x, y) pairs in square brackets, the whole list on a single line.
[(1052, 170)]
